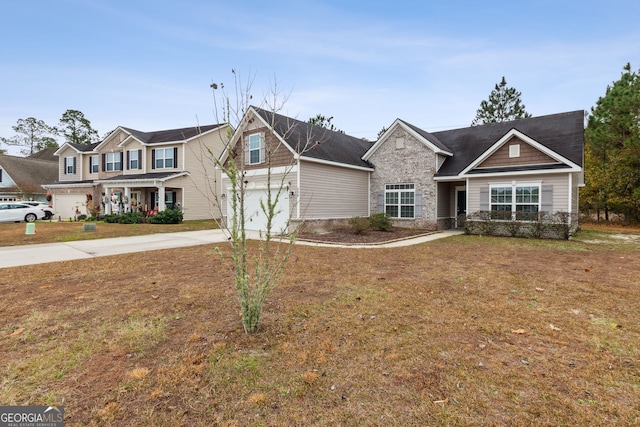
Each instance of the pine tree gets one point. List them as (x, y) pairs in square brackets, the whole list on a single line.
[(76, 128), (612, 150), (504, 104), (325, 122), (33, 135)]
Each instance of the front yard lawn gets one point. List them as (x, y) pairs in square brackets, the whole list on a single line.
[(467, 330)]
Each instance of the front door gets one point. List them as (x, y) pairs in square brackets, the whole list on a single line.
[(461, 207)]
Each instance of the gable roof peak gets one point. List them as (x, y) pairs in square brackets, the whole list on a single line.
[(315, 142)]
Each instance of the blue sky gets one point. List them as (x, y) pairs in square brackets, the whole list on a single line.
[(148, 64)]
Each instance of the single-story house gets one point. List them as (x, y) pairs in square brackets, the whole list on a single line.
[(421, 179), (131, 170), (22, 178)]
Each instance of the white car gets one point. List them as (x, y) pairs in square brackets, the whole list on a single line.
[(48, 209), (17, 212)]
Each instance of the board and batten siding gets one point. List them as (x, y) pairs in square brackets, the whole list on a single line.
[(559, 182), (332, 192)]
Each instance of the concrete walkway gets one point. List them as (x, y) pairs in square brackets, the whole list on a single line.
[(14, 256)]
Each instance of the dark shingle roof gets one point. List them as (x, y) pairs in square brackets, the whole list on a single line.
[(316, 142), (563, 133), (45, 154), (83, 148), (29, 174), (428, 136), (169, 135)]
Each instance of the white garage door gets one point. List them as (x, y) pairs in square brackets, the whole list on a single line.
[(65, 205), (255, 218)]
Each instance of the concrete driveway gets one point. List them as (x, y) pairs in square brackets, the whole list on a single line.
[(14, 256)]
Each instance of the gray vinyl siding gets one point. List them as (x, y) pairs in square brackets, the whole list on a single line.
[(202, 185), (69, 152), (559, 182), (328, 192)]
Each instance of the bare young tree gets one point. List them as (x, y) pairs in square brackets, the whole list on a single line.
[(257, 270)]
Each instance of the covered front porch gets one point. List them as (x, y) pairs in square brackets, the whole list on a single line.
[(452, 204), (142, 193)]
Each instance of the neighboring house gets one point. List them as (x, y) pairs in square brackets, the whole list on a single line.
[(22, 178), (421, 179), (140, 171), (45, 154)]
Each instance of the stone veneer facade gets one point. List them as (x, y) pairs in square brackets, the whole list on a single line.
[(402, 159)]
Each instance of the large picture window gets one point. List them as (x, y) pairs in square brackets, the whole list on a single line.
[(524, 206), (399, 200)]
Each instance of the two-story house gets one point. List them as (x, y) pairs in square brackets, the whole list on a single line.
[(147, 172)]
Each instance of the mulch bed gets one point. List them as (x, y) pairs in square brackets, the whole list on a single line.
[(347, 236)]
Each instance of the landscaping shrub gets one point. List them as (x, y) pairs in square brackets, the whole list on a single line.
[(125, 218), (359, 224), (380, 221), (170, 216), (560, 225)]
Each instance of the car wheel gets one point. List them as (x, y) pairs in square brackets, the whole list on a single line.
[(47, 215), (30, 217)]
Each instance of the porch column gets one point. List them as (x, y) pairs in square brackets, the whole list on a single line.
[(161, 205), (127, 198), (107, 200)]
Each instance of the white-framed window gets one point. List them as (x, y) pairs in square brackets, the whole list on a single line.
[(255, 149), (515, 201), (134, 159), (93, 164), (164, 158), (69, 165), (399, 200), (113, 162)]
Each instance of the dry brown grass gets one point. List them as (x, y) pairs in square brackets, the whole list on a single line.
[(462, 331), (12, 234)]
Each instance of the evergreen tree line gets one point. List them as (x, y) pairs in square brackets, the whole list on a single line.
[(33, 135), (612, 152)]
